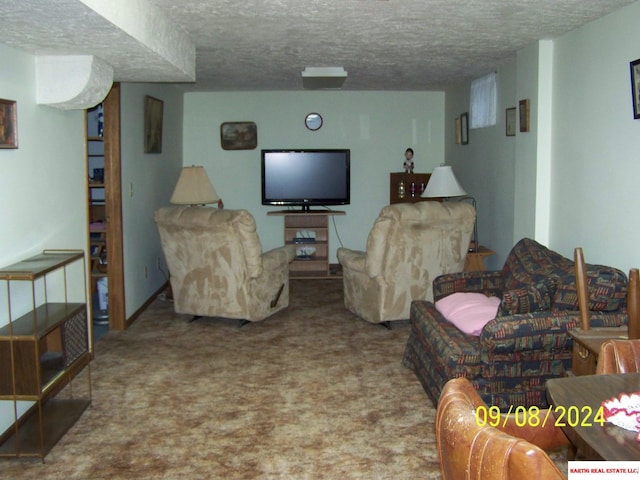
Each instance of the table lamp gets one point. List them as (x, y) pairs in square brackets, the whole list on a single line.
[(194, 188), (444, 184)]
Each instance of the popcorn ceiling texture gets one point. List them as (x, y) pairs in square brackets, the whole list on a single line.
[(265, 45), (383, 45), (141, 45)]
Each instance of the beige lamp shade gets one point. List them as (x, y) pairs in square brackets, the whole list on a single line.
[(443, 183), (194, 188)]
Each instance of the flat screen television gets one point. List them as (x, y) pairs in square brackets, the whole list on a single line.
[(306, 178)]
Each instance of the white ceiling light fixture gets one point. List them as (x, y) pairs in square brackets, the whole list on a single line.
[(316, 78)]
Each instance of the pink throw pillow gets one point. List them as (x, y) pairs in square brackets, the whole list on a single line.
[(468, 311)]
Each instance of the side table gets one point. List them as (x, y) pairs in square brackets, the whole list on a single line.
[(475, 260), (576, 396), (586, 346)]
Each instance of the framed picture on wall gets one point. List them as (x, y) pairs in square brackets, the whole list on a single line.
[(524, 115), (8, 124), (635, 87), (458, 134), (238, 135), (464, 128), (153, 124), (510, 117)]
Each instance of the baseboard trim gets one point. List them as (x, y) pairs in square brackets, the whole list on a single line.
[(144, 306)]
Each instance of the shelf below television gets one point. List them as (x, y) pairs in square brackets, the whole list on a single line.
[(315, 274), (306, 212), (314, 224)]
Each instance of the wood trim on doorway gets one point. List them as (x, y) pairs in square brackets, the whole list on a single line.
[(113, 196)]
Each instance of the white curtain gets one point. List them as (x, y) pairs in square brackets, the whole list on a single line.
[(482, 110)]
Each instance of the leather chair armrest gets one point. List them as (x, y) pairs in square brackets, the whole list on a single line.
[(545, 435), (619, 356)]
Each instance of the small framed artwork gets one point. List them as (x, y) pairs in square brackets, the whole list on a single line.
[(510, 116), (458, 137), (8, 124), (153, 124), (238, 135), (635, 87), (464, 128), (524, 115)]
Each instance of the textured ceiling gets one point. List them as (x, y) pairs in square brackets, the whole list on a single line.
[(265, 44)]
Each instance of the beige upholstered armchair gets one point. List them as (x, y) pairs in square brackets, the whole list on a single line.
[(217, 266), (409, 246)]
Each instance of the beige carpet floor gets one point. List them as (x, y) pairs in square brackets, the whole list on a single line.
[(310, 393)]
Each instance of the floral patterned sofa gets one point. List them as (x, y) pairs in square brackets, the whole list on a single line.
[(527, 342)]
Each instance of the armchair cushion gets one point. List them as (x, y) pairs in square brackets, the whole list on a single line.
[(377, 246), (354, 260), (274, 258), (607, 289), (532, 298), (470, 311)]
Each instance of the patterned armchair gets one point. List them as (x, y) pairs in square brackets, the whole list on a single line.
[(217, 266), (408, 246), (527, 342)]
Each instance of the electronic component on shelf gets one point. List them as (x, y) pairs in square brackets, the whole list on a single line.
[(305, 236), (304, 240), (305, 253)]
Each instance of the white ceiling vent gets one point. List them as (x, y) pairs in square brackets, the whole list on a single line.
[(315, 78)]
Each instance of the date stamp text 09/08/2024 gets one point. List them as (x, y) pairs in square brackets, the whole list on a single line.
[(572, 416)]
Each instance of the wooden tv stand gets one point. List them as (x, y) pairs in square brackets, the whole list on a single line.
[(308, 230)]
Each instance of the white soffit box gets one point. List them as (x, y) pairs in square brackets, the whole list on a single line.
[(72, 82)]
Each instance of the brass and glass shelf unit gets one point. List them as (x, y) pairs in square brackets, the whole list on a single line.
[(42, 348)]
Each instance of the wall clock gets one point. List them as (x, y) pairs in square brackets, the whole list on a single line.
[(313, 121)]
